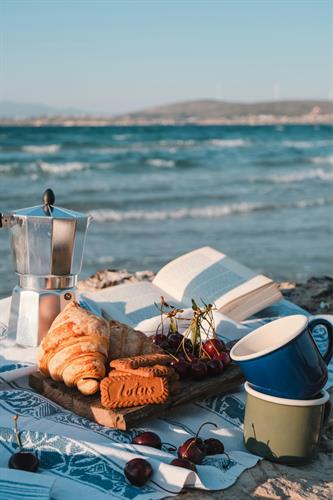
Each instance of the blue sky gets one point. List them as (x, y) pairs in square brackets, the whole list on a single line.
[(115, 56)]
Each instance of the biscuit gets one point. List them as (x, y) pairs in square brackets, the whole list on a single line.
[(170, 373), (124, 391), (141, 361)]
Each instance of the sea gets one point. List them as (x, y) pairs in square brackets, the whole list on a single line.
[(261, 194)]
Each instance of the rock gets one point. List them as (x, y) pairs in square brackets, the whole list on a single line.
[(315, 295), (111, 277)]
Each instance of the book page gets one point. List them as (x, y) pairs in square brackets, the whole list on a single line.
[(202, 274), (132, 302), (251, 286)]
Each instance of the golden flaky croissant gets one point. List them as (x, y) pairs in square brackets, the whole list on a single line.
[(75, 349)]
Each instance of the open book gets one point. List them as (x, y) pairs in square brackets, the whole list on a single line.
[(204, 275)]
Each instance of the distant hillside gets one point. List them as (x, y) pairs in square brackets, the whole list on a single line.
[(201, 112), (213, 109), (18, 110)]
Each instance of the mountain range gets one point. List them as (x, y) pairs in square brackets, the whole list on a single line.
[(204, 111)]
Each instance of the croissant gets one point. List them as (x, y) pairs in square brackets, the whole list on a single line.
[(75, 349)]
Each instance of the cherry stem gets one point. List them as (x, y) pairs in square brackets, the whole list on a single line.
[(172, 446), (202, 425), (17, 434), (229, 460), (162, 488)]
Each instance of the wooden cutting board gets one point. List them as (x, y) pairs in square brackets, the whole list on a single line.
[(90, 406)]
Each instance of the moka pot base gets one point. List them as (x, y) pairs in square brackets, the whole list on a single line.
[(36, 301)]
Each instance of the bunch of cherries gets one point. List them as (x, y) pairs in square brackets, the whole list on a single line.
[(191, 453), (193, 357)]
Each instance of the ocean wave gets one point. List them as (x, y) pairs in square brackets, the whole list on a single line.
[(307, 144), (298, 144), (207, 212), (61, 168), (229, 143), (48, 148), (120, 137), (303, 175), (322, 159), (177, 142), (161, 163), (5, 169)]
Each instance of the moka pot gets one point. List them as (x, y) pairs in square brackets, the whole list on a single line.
[(47, 245)]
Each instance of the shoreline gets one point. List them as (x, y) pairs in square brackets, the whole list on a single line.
[(250, 121)]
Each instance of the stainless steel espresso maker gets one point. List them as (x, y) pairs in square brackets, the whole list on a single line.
[(47, 247)]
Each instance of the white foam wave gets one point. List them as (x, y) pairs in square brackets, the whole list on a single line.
[(5, 168), (48, 148), (177, 142), (298, 144), (303, 175), (120, 137), (105, 259), (61, 168), (307, 144), (322, 159), (229, 143), (160, 163), (208, 212)]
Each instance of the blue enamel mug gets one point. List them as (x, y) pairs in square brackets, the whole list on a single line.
[(282, 359)]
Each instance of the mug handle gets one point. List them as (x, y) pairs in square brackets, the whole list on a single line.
[(329, 326)]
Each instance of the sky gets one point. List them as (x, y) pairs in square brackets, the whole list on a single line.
[(121, 55)]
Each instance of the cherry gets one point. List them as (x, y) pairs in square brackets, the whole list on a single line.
[(191, 451), (194, 449), (188, 345), (174, 340), (183, 462), (182, 367), (148, 439), (214, 446), (213, 346), (224, 357), (159, 338), (215, 367), (199, 370), (138, 471), (191, 357), (164, 345), (24, 460)]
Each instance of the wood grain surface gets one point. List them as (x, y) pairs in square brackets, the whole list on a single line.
[(90, 406)]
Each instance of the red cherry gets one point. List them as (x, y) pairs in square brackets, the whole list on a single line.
[(213, 346), (138, 471), (148, 439), (215, 367), (24, 460), (164, 345), (191, 358), (174, 340), (191, 451), (224, 357), (214, 446), (182, 367), (188, 345), (183, 462), (159, 338), (199, 370)]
